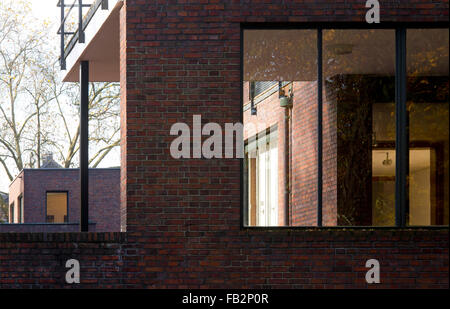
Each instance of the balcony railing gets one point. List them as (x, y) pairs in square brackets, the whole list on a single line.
[(70, 38)]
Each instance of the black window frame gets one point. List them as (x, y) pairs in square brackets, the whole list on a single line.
[(401, 115)]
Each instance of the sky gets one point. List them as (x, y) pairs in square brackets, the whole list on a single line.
[(47, 9), (42, 9)]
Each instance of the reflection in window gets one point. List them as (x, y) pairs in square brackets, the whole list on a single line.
[(280, 83), (428, 109), (358, 127), (261, 157), (56, 207)]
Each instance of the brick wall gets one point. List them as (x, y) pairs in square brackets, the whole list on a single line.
[(278, 259), (304, 154), (269, 115), (183, 216), (329, 159), (303, 149), (15, 190), (30, 260), (104, 199), (184, 59)]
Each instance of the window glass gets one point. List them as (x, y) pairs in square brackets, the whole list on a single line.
[(11, 213), (359, 127), (280, 83), (56, 207), (428, 110)]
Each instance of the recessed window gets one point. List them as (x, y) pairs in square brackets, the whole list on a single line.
[(56, 207), (11, 213), (358, 127), (20, 209)]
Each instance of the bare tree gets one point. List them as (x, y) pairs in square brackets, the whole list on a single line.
[(18, 46), (104, 127), (38, 112)]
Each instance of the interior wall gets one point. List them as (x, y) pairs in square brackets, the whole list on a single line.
[(57, 206), (419, 199)]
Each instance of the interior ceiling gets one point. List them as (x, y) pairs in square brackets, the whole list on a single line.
[(378, 169), (290, 55), (103, 53)]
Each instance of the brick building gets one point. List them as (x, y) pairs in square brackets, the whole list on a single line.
[(337, 177), (47, 200)]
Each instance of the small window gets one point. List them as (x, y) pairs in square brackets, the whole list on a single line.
[(56, 207), (262, 86), (11, 213), (20, 209)]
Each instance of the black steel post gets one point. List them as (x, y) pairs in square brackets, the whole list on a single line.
[(80, 22), (402, 131), (319, 127), (84, 154), (62, 59)]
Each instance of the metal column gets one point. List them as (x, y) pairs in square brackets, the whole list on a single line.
[(62, 31), (84, 153), (80, 22)]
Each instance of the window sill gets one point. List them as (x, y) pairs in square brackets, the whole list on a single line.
[(345, 228)]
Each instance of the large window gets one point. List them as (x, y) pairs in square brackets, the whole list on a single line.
[(361, 119), (56, 207)]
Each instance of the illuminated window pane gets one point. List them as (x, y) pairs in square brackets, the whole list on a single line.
[(359, 127), (428, 109), (56, 207), (280, 121)]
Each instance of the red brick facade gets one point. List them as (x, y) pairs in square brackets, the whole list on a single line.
[(183, 217), (33, 185)]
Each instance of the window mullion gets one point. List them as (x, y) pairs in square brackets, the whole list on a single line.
[(402, 131)]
